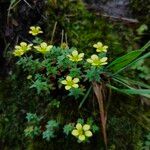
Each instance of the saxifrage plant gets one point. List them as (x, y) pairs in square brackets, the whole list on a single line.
[(50, 69)]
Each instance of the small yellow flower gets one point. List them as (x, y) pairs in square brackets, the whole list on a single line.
[(35, 30), (100, 47), (64, 46), (70, 83), (29, 77), (96, 61), (22, 48), (29, 129), (18, 53), (43, 48), (75, 56), (82, 132)]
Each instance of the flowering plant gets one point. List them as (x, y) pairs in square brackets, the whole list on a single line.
[(47, 72)]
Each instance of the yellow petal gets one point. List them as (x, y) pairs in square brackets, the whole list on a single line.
[(75, 80), (43, 44), (104, 63), (105, 47), (30, 45), (64, 82), (88, 133), (95, 45), (38, 28), (79, 126), (69, 78), (81, 137), (67, 87), (86, 127), (17, 47), (50, 47), (95, 64), (75, 85), (23, 44), (103, 59), (32, 27), (81, 55), (99, 44), (94, 57), (75, 132), (36, 47), (89, 60), (69, 56), (75, 53)]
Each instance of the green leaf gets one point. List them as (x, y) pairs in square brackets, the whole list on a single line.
[(68, 128), (122, 62), (51, 127), (85, 97), (129, 82), (133, 91)]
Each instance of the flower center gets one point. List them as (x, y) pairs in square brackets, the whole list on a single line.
[(70, 83)]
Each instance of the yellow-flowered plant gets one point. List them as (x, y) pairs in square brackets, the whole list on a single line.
[(96, 61), (75, 56), (35, 30), (100, 47), (22, 48), (70, 83), (82, 132), (43, 48)]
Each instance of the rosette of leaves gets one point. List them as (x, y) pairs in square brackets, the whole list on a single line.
[(51, 128), (33, 128)]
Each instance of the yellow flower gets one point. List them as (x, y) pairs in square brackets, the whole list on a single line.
[(75, 56), (70, 83), (64, 46), (29, 77), (96, 61), (82, 132), (100, 47), (18, 53), (35, 30), (29, 129), (22, 48), (43, 48)]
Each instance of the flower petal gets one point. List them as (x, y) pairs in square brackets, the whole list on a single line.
[(50, 47), (64, 82), (75, 53), (23, 44), (81, 55), (105, 47), (86, 127), (89, 60), (43, 44), (67, 87), (81, 137), (75, 85), (79, 126), (103, 59), (88, 133), (95, 45), (17, 47), (99, 44), (76, 80), (75, 132), (104, 63), (32, 28), (94, 57), (69, 78)]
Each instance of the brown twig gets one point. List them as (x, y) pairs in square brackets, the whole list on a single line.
[(53, 33)]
